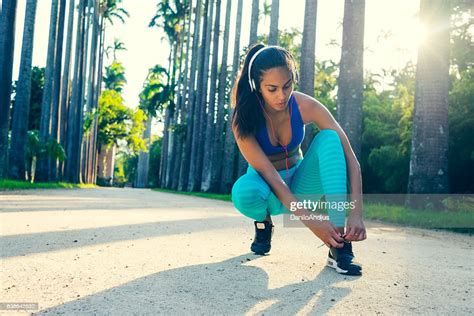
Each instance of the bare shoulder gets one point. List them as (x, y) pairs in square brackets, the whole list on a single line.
[(307, 106)]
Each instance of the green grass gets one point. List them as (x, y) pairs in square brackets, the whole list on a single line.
[(24, 185), (462, 221), (458, 221)]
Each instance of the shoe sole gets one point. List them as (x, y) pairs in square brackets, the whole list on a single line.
[(260, 252), (333, 264)]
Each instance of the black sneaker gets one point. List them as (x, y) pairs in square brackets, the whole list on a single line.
[(263, 237), (340, 259)]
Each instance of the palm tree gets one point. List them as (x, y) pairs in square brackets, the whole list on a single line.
[(7, 43), (17, 165), (308, 47), (75, 108), (114, 78), (118, 46), (65, 82), (202, 127), (230, 149), (154, 95), (181, 105), (45, 122), (169, 16), (172, 111), (94, 81), (186, 157), (201, 98), (429, 147), (351, 75), (254, 22), (242, 163), (86, 77), (209, 139), (273, 37), (266, 12), (108, 11), (54, 134), (177, 128), (217, 150)]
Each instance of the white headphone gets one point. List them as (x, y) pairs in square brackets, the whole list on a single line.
[(252, 85)]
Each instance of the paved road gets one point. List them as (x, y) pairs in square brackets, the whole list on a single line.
[(129, 251)]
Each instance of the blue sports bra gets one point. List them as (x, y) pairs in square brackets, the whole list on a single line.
[(297, 132)]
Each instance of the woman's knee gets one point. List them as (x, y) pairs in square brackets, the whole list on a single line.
[(327, 135), (249, 192), (326, 139)]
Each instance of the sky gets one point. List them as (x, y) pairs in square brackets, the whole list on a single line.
[(146, 46)]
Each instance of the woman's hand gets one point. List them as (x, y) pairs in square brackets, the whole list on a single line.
[(355, 229), (325, 231)]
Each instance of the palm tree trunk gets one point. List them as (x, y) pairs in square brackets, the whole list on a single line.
[(177, 135), (91, 93), (42, 171), (230, 148), (186, 157), (308, 47), (351, 74), (273, 37), (429, 147), (164, 147), (217, 150), (53, 167), (181, 108), (17, 165), (97, 93), (86, 77), (165, 142), (204, 97), (254, 22), (173, 118), (65, 86), (209, 139), (75, 110), (144, 157), (194, 173), (7, 45)]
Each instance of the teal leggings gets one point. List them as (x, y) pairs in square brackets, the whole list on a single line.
[(322, 171)]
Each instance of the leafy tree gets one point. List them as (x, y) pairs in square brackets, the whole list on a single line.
[(114, 78), (36, 149), (386, 134), (461, 131), (37, 84), (117, 122), (289, 39)]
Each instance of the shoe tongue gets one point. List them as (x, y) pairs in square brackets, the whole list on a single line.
[(347, 248), (260, 225)]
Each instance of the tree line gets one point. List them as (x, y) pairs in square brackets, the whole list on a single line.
[(191, 96)]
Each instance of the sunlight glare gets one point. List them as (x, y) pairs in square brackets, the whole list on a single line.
[(414, 34)]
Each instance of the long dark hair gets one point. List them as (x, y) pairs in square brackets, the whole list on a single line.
[(248, 116)]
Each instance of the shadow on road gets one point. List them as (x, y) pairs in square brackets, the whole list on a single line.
[(25, 244), (232, 286)]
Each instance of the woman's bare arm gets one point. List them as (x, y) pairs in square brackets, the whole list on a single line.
[(317, 113)]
